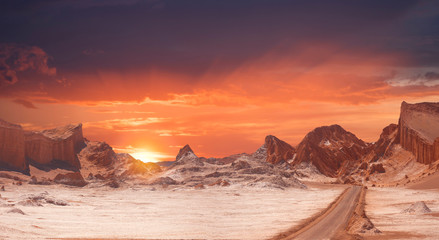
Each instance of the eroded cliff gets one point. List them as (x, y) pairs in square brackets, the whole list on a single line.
[(55, 148), (419, 130), (12, 155)]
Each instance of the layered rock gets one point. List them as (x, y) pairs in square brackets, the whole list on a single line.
[(275, 151), (55, 148), (278, 151), (12, 156), (419, 130), (381, 148), (98, 153), (332, 150)]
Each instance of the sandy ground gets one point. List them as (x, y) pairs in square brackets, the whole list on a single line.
[(384, 207), (140, 212), (429, 182)]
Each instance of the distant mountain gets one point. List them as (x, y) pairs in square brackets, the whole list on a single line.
[(403, 152), (331, 149), (275, 151)]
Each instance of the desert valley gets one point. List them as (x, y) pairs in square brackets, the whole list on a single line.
[(219, 119), (56, 184)]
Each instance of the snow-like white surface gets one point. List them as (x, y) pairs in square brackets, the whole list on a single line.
[(385, 206), (212, 213)]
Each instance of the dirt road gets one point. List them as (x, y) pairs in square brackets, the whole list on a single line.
[(327, 225)]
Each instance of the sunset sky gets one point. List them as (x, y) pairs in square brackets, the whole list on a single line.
[(149, 76)]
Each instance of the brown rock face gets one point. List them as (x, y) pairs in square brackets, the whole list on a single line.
[(388, 137), (71, 179), (377, 168), (55, 147), (278, 151), (419, 130), (99, 153), (12, 156), (331, 149)]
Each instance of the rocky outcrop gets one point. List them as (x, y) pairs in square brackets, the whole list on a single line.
[(164, 181), (332, 150), (12, 156), (184, 152), (278, 151), (274, 151), (240, 164), (417, 208), (382, 147), (387, 138), (72, 179), (377, 168), (419, 130), (55, 148), (98, 153), (187, 156)]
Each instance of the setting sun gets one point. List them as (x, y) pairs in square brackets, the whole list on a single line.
[(146, 156), (207, 119)]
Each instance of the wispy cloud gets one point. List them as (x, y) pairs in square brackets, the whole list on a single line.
[(428, 79), (124, 124), (25, 103)]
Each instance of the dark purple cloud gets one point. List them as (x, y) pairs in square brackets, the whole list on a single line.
[(16, 58), (193, 38)]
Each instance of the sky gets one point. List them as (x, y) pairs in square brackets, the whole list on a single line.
[(149, 76)]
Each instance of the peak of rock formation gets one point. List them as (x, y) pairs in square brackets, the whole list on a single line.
[(187, 157), (331, 149), (381, 148), (184, 152), (12, 155), (419, 130), (55, 148), (277, 150)]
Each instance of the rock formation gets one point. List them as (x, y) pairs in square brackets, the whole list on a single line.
[(98, 153), (71, 179), (187, 156), (278, 151), (382, 147), (186, 151), (417, 208), (331, 149), (134, 166), (55, 148), (376, 168), (12, 156), (419, 130)]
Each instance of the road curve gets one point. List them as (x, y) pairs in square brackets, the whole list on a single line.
[(337, 218)]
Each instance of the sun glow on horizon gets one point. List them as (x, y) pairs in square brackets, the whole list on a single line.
[(147, 156)]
